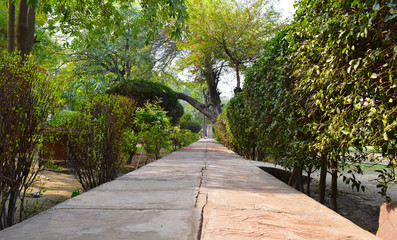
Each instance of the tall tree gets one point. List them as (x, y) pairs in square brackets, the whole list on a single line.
[(223, 34), (73, 16), (235, 30)]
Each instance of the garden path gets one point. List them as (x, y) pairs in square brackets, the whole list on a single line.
[(203, 191)]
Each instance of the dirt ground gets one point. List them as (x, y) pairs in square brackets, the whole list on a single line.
[(362, 207), (56, 187)]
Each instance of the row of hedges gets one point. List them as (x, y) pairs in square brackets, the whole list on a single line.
[(326, 84)]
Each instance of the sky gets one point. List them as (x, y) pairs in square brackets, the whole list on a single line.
[(287, 8), (228, 82)]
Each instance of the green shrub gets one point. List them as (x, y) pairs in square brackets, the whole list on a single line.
[(240, 131), (26, 98), (186, 122), (180, 138), (130, 147), (143, 91), (221, 130), (96, 138), (153, 127)]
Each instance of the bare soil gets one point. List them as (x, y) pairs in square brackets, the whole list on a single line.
[(55, 186)]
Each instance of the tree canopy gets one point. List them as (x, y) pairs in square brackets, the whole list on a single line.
[(222, 35)]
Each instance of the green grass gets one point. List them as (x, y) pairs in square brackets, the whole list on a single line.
[(373, 166), (368, 149)]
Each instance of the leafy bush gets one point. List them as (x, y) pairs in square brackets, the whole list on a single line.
[(61, 119), (180, 138), (130, 147), (143, 91), (186, 122), (25, 99), (96, 138), (344, 55), (153, 129), (221, 129), (239, 129), (325, 83)]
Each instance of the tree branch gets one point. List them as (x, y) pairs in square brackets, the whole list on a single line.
[(199, 106)]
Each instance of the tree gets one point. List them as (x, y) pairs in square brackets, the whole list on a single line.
[(87, 13), (208, 74), (234, 29), (115, 58), (223, 34)]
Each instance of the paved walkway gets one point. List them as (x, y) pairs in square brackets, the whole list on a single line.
[(201, 192)]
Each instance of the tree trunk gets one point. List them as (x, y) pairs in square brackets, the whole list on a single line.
[(11, 27), (25, 28), (31, 28), (298, 183), (323, 177), (238, 87), (291, 179), (334, 186), (12, 207), (22, 27), (309, 172), (214, 99), (204, 135)]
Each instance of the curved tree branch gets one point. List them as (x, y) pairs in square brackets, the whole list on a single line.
[(199, 106)]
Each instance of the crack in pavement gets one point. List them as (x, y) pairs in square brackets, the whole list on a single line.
[(200, 194)]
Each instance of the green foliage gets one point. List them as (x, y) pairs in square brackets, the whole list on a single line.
[(153, 127), (3, 26), (75, 193), (180, 138), (231, 31), (345, 60), (106, 16), (62, 118), (221, 130), (143, 91), (26, 100), (96, 138), (186, 122), (239, 130), (81, 89), (326, 83), (116, 58), (130, 147)]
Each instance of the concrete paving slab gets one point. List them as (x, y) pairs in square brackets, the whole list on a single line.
[(201, 192), (94, 224), (146, 199), (162, 174), (149, 184)]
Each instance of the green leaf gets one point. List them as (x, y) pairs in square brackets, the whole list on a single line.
[(385, 137), (376, 7), (374, 75)]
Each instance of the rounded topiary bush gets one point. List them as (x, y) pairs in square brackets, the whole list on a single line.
[(143, 91)]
